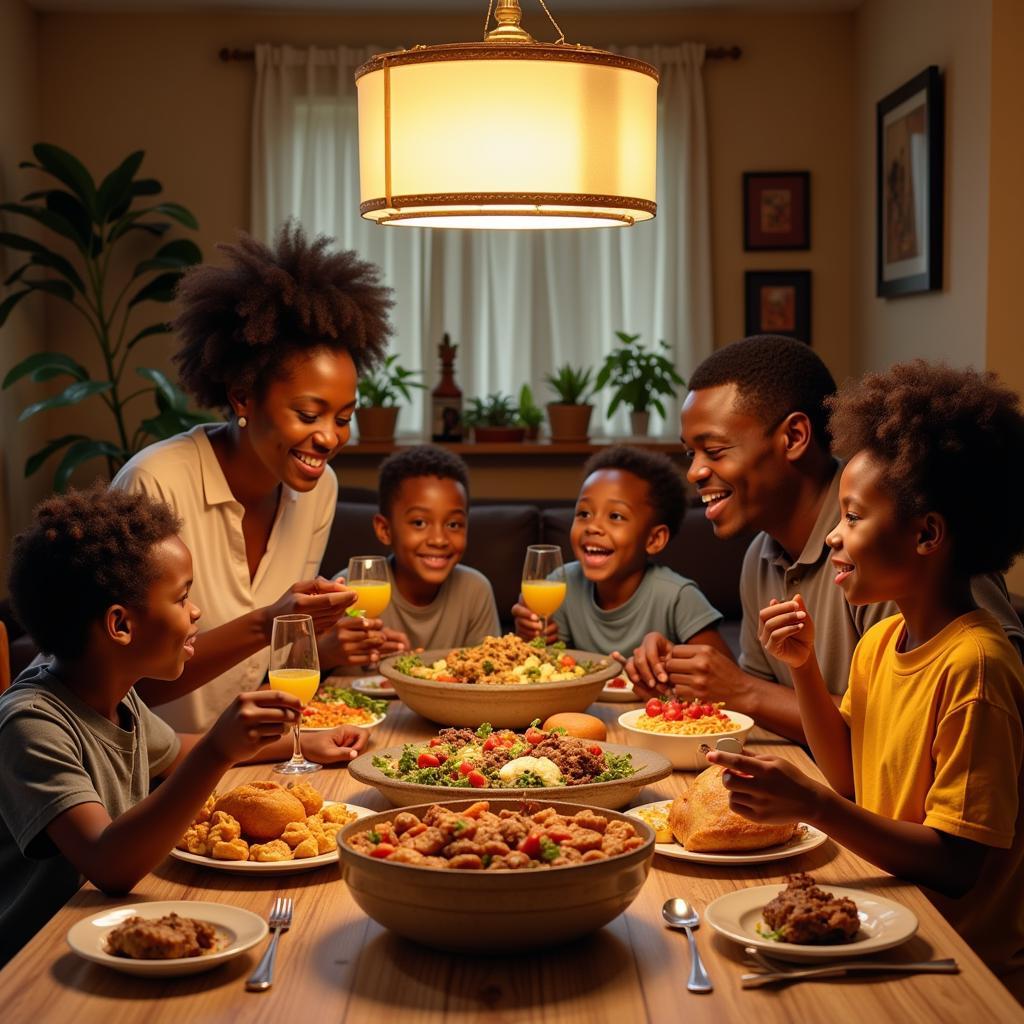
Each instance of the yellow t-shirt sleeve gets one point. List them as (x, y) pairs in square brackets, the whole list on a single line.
[(977, 754)]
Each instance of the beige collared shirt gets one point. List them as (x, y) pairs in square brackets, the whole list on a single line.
[(838, 626), (184, 472)]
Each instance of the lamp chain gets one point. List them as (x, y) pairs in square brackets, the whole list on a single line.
[(487, 20), (490, 10)]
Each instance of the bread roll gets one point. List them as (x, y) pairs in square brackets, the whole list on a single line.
[(701, 820), (262, 808)]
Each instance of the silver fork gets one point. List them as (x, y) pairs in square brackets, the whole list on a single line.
[(854, 967), (279, 921)]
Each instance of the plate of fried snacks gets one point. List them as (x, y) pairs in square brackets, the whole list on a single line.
[(265, 828), (166, 938), (333, 706), (805, 922), (618, 691)]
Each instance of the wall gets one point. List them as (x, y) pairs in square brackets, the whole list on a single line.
[(895, 41)]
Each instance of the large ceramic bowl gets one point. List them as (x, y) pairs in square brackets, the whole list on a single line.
[(505, 707), (650, 768), (682, 751), (494, 911)]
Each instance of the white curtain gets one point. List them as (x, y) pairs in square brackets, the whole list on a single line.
[(518, 304)]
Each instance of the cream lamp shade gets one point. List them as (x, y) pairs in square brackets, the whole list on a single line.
[(507, 133)]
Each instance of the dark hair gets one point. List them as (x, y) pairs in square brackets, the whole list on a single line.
[(90, 549), (240, 323), (775, 376), (665, 489), (936, 432), (419, 460)]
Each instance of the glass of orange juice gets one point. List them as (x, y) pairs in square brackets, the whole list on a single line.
[(295, 669), (543, 582), (368, 576)]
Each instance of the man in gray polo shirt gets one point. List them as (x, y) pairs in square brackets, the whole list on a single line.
[(755, 424)]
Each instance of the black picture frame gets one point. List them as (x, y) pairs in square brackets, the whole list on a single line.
[(776, 210), (778, 302), (909, 181)]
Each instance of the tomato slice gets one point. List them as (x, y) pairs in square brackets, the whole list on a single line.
[(382, 851), (426, 760), (477, 779), (535, 736)]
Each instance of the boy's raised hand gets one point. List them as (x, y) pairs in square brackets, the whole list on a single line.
[(250, 722), (786, 631), (528, 623), (646, 668), (323, 599), (352, 641), (768, 789)]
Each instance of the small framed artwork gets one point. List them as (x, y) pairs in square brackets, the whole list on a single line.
[(779, 302), (909, 175), (776, 210)]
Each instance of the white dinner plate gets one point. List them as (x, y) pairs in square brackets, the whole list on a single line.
[(374, 686), (277, 867), (883, 923), (618, 694), (237, 931), (806, 838)]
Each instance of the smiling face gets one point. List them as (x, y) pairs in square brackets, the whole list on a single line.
[(874, 549), (426, 529), (301, 418)]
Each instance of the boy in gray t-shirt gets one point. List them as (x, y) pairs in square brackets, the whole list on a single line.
[(629, 506)]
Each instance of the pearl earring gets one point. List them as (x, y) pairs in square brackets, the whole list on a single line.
[(242, 421)]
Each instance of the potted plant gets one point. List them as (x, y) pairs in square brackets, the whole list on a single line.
[(494, 418), (639, 377), (530, 414), (570, 415), (377, 413), (91, 221)]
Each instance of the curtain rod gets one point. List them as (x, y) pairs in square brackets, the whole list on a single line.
[(711, 53)]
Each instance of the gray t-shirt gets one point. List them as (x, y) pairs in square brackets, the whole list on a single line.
[(463, 613), (664, 601), (57, 752)]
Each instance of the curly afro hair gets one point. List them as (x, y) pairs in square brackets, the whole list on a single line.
[(91, 547), (240, 323), (775, 376), (666, 492), (419, 460), (936, 431)]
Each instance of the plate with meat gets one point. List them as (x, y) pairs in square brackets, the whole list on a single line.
[(167, 937), (805, 922)]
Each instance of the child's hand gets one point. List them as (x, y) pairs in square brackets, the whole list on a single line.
[(646, 669), (250, 722), (336, 747), (768, 789), (528, 624), (394, 641), (323, 599), (786, 631), (351, 641)]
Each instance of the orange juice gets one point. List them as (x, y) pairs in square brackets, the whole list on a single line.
[(544, 596), (374, 596), (302, 682)]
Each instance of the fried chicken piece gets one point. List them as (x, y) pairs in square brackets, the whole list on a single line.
[(307, 848), (337, 814), (275, 850), (310, 799), (166, 938), (207, 809), (297, 832), (232, 849), (223, 828), (196, 839)]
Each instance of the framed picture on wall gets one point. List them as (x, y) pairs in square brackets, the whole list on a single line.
[(909, 176), (779, 302), (776, 210)]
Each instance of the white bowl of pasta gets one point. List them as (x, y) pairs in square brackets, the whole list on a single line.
[(679, 736)]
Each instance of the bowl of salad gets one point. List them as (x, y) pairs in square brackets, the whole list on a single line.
[(505, 680), (532, 764)]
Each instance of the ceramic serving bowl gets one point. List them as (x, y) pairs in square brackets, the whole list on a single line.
[(494, 911), (505, 707), (683, 751), (650, 768)]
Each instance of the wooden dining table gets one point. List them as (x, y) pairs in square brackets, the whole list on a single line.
[(336, 966)]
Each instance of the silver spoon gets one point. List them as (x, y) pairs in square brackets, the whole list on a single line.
[(679, 914)]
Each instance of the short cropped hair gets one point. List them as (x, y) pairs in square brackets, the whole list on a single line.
[(774, 376), (665, 489), (419, 460), (940, 435), (91, 549), (239, 324)]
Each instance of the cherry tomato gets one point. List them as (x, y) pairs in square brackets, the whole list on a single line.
[(595, 750), (382, 850), (426, 760), (530, 845), (465, 768), (491, 742), (673, 712), (655, 707), (535, 736), (435, 742), (567, 661), (477, 779)]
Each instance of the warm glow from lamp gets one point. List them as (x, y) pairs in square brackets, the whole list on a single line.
[(507, 133)]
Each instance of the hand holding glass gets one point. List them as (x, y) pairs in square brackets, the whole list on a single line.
[(368, 576), (543, 582), (295, 669)]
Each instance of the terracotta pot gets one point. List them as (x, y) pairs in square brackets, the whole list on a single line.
[(499, 434), (639, 423), (569, 422), (377, 422)]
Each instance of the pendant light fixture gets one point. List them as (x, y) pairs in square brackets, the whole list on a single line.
[(507, 133)]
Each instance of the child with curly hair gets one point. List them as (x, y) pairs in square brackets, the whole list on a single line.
[(924, 756), (78, 747)]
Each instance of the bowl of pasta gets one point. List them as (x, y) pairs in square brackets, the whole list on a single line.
[(678, 729)]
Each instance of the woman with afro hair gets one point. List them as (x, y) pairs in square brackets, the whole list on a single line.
[(276, 339)]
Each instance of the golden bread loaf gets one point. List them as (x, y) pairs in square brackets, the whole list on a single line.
[(701, 820), (262, 809)]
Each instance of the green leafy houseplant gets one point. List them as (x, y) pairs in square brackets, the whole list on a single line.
[(572, 385), (92, 221), (530, 414), (496, 410), (570, 415), (383, 386), (638, 376)]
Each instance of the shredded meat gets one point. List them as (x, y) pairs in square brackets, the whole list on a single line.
[(805, 914), (166, 938)]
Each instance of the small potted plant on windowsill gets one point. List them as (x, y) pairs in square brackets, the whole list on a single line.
[(570, 415), (638, 378), (530, 414), (494, 418), (377, 413)]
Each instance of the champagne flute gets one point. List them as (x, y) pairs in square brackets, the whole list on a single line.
[(543, 582), (369, 577), (295, 669)]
